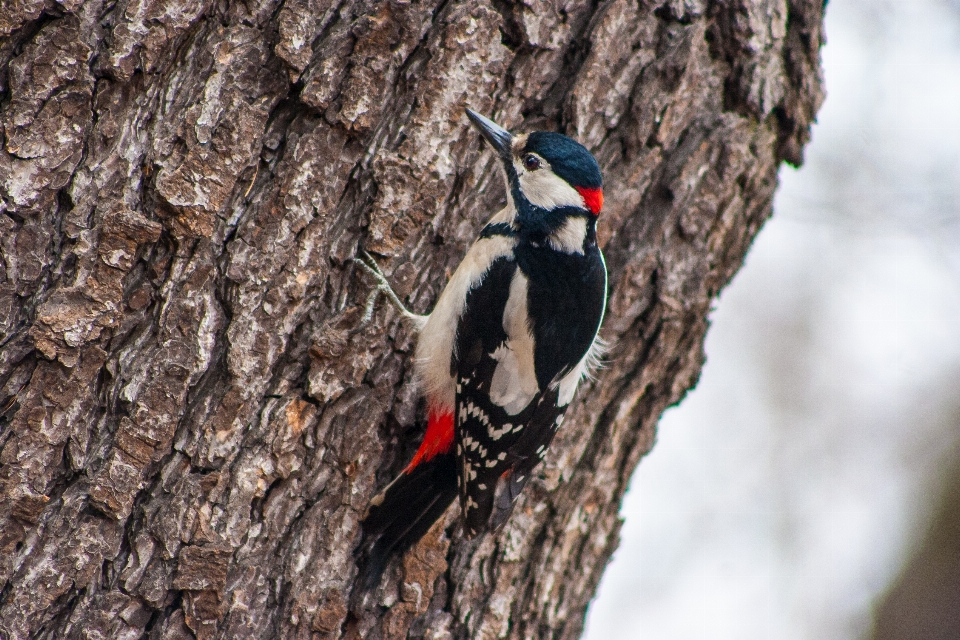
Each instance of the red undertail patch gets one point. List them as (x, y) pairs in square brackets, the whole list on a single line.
[(438, 439), (593, 198)]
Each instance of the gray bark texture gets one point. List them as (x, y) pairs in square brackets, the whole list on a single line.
[(193, 416)]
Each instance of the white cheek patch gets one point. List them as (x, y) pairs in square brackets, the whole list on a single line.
[(546, 189), (514, 382), (570, 237)]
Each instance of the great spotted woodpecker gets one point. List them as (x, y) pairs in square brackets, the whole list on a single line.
[(501, 355)]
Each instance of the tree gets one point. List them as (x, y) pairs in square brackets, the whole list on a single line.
[(194, 415), (922, 602)]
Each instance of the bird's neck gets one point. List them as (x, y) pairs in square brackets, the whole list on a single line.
[(566, 229)]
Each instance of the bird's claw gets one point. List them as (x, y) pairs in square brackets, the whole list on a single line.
[(383, 285)]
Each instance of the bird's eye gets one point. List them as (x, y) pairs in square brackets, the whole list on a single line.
[(531, 162)]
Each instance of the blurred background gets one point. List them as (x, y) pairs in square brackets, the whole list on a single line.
[(809, 487)]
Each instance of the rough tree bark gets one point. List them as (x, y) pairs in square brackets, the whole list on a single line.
[(193, 417)]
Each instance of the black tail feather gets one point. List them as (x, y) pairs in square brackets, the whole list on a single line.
[(405, 511)]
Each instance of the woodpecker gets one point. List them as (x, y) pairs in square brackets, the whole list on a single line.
[(503, 351)]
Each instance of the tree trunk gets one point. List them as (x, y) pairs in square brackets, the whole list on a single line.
[(194, 415)]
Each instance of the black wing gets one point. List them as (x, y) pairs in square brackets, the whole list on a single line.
[(480, 333), (497, 452)]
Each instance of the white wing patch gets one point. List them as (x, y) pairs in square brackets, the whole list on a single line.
[(514, 382)]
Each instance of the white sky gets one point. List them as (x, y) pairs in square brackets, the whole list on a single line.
[(786, 490)]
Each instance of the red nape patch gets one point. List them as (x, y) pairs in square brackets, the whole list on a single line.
[(593, 198), (438, 439)]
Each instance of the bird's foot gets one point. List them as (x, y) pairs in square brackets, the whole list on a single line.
[(383, 285)]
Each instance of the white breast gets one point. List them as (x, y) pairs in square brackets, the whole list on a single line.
[(438, 336), (567, 385)]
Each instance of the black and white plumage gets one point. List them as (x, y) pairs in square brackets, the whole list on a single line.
[(509, 340)]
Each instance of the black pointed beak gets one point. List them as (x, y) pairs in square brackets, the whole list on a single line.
[(498, 137)]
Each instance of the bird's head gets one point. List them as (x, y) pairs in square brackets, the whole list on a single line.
[(545, 169)]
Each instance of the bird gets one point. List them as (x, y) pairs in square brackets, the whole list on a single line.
[(501, 355)]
